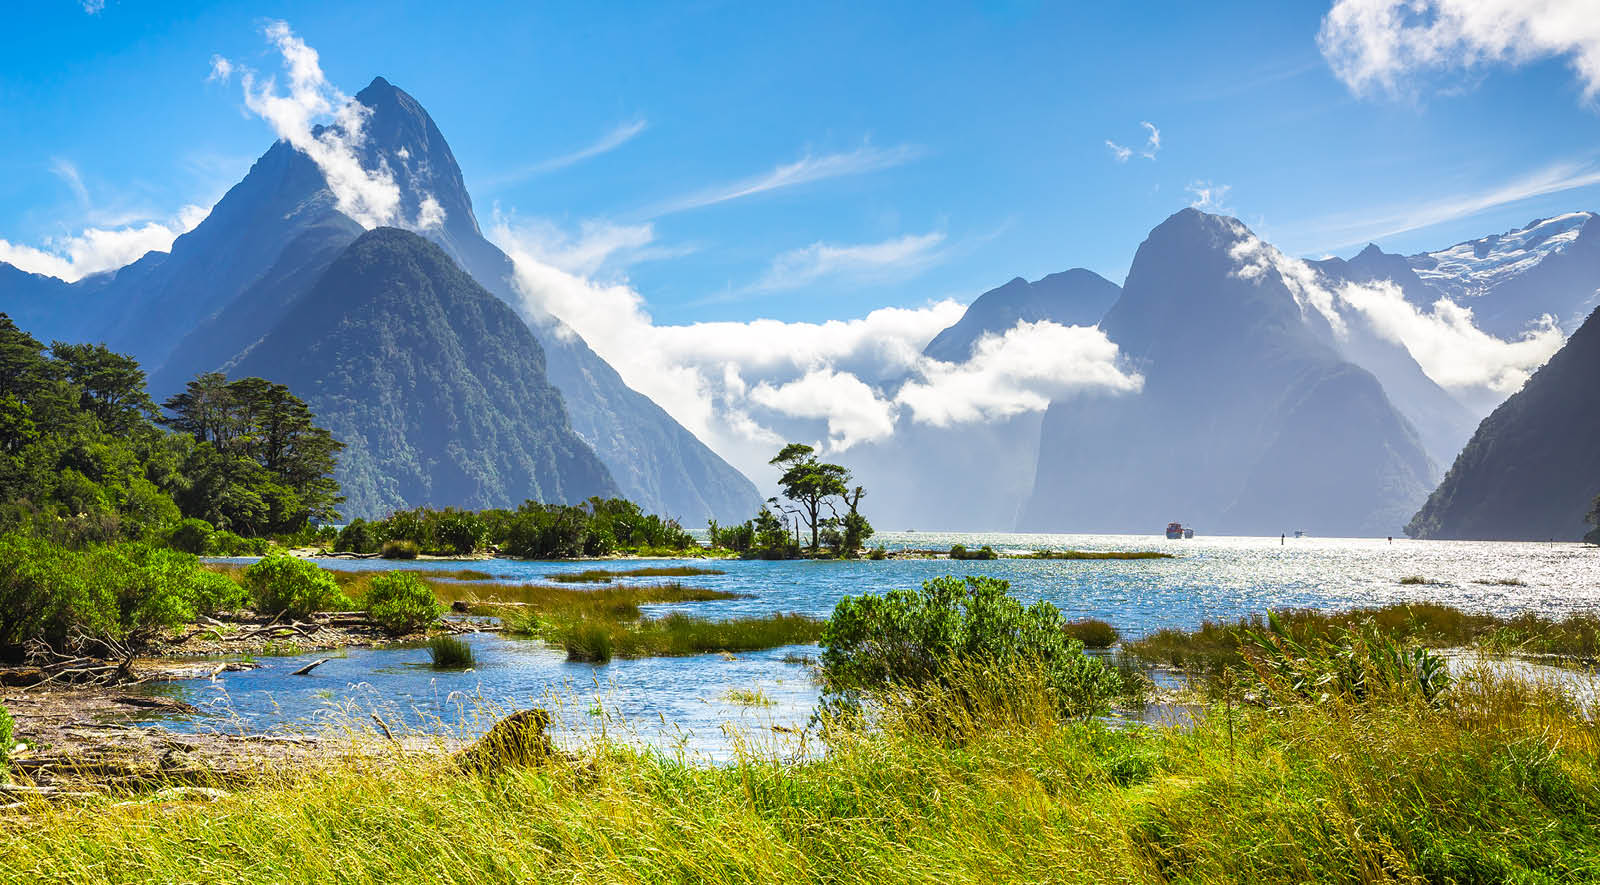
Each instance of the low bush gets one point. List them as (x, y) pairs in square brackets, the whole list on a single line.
[(919, 640), (449, 653), (357, 537), (959, 551), (399, 550), (293, 586), (401, 603), (1093, 633), (191, 536), (227, 543)]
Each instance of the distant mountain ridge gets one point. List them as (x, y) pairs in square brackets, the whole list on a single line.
[(1075, 297)]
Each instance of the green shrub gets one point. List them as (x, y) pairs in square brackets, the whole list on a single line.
[(401, 603), (449, 653), (191, 536), (959, 551), (1093, 633), (295, 587), (357, 537), (400, 550), (6, 739), (459, 533), (922, 639), (226, 543), (879, 552)]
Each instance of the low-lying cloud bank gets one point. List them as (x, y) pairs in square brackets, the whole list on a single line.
[(97, 249), (1443, 339), (743, 387)]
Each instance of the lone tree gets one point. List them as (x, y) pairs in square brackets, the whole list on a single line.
[(810, 484)]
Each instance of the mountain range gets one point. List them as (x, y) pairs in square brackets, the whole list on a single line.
[(1271, 401), (228, 284)]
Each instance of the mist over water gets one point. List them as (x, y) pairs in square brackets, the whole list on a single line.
[(684, 702)]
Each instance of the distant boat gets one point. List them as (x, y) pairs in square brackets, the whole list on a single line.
[(1175, 531), (1299, 534), (1188, 533)]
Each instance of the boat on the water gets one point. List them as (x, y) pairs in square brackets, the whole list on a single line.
[(1175, 531), (1187, 533)]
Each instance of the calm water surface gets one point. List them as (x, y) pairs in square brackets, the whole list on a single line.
[(684, 702)]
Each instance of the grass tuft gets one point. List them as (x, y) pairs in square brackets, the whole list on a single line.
[(1093, 633), (605, 576), (448, 652)]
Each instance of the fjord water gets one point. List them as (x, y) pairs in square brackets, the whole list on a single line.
[(686, 701)]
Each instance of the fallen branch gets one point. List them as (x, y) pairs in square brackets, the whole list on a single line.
[(306, 670)]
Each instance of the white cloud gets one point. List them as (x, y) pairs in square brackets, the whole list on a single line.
[(1451, 349), (617, 137), (1209, 197), (855, 413), (1152, 144), (805, 170), (742, 386), (1377, 44), (371, 197), (1444, 341), (221, 70), (67, 172), (93, 250), (1019, 371), (865, 261)]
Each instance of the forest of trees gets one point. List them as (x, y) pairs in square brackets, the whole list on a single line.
[(86, 456)]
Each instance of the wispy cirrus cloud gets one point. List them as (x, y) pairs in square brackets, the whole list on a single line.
[(807, 169), (1152, 145), (621, 134), (890, 258), (1387, 45), (1333, 232)]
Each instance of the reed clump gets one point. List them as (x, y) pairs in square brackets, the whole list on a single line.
[(599, 639), (446, 652), (1092, 632), (1216, 645), (606, 576)]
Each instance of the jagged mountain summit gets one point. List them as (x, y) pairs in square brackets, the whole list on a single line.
[(1249, 421), (1075, 297), (436, 388), (1532, 469), (270, 239)]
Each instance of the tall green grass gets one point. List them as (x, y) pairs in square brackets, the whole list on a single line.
[(1500, 785), (446, 652), (676, 635), (605, 576)]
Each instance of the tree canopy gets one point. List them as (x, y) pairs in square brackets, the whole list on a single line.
[(812, 485)]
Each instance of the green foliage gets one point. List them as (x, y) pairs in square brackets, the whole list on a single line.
[(292, 586), (399, 550), (191, 536), (913, 640), (259, 464), (83, 461), (401, 603), (448, 652), (599, 527), (1358, 665), (7, 741), (121, 593), (959, 551), (810, 484), (226, 543), (357, 537)]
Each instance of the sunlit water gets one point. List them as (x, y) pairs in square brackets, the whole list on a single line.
[(685, 702)]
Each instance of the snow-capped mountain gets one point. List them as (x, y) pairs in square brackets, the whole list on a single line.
[(1551, 266)]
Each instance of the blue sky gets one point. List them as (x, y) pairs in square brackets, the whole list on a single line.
[(937, 150)]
